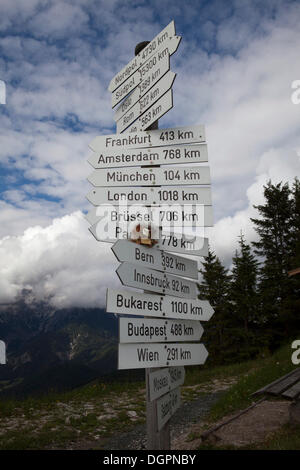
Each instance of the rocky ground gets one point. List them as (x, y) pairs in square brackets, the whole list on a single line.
[(118, 422)]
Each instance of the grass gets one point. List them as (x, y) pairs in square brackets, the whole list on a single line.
[(56, 420)]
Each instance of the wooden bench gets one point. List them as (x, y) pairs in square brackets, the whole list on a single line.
[(287, 387)]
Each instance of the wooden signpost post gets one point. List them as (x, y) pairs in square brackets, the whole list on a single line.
[(133, 194)]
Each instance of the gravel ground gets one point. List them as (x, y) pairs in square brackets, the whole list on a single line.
[(189, 413)]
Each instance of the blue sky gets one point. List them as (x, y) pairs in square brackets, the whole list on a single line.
[(235, 66)]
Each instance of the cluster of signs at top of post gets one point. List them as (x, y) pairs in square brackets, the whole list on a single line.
[(143, 88)]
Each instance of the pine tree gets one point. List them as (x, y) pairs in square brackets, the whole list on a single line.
[(215, 289), (243, 295), (275, 249)]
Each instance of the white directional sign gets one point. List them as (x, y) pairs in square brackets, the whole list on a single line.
[(157, 110), (136, 356), (181, 243), (135, 176), (175, 154), (151, 78), (166, 216), (125, 250), (159, 306), (177, 243), (156, 92), (150, 66), (155, 138), (2, 352), (145, 330), (156, 44), (166, 407), (142, 278), (163, 381), (150, 196)]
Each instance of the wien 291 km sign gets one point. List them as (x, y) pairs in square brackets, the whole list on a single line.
[(136, 356)]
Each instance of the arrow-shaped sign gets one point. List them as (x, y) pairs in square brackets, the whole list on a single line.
[(159, 306), (155, 138), (132, 82), (170, 155), (163, 381), (132, 275), (146, 102), (166, 216), (166, 407), (150, 196), (175, 242), (157, 43), (125, 250), (136, 356), (153, 330), (156, 73), (136, 176)]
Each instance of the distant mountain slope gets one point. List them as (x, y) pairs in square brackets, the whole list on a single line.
[(51, 349)]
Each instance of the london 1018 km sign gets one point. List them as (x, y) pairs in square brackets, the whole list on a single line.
[(147, 186)]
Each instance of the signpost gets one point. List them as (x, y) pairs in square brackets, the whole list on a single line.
[(163, 381), (167, 155), (177, 243), (166, 407), (137, 356), (166, 216), (157, 43), (149, 66), (139, 255), (157, 72), (148, 139), (150, 196), (135, 199), (146, 101), (161, 306), (151, 176), (144, 330), (132, 275)]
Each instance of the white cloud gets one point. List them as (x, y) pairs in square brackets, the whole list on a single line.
[(241, 91), (61, 262)]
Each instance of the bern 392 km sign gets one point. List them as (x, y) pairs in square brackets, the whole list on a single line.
[(157, 172)]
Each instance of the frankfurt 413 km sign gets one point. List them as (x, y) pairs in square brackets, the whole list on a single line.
[(148, 184)]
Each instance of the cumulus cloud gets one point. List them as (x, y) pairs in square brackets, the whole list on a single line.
[(61, 263), (239, 60)]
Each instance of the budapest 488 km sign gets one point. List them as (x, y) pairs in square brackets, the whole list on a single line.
[(141, 206)]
